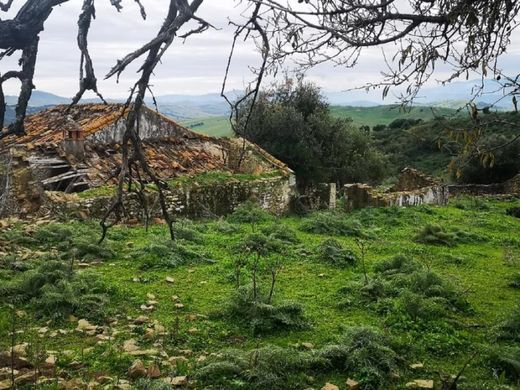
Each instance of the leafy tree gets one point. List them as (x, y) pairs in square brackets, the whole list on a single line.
[(292, 121)]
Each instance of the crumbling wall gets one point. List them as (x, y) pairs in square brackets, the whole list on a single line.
[(411, 179), (512, 186), (20, 194), (186, 200), (357, 196)]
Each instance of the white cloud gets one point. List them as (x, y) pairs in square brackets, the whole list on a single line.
[(194, 67)]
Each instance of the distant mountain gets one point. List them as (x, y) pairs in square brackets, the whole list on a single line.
[(40, 98)]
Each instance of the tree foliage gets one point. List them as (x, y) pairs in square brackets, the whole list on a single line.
[(292, 122)]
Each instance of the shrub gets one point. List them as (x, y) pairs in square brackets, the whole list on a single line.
[(55, 292), (513, 212), (249, 212), (261, 316), (515, 280), (225, 227), (281, 232), (332, 223), (168, 254), (509, 329), (362, 352), (331, 251), (365, 354), (505, 361), (267, 368), (397, 265), (88, 250), (437, 235)]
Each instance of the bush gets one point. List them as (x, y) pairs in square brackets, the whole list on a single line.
[(281, 232), (331, 223), (437, 235), (88, 250), (267, 368), (515, 281), (363, 353), (55, 292), (513, 212), (261, 316), (505, 361), (331, 251), (168, 254), (397, 265), (509, 329), (249, 212)]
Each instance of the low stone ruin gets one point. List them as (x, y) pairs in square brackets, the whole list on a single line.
[(413, 188)]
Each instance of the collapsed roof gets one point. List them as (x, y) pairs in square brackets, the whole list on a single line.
[(171, 150)]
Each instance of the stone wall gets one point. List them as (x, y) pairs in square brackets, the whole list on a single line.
[(21, 192), (411, 179), (358, 196), (187, 200)]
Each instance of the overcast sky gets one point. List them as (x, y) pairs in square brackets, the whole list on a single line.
[(194, 67)]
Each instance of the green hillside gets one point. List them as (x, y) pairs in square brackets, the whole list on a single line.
[(216, 126), (361, 116), (372, 116)]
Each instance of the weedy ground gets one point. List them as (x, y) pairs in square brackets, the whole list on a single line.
[(439, 292)]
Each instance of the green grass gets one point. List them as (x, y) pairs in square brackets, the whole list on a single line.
[(371, 116), (480, 270), (219, 126), (215, 126)]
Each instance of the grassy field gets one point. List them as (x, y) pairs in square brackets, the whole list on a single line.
[(219, 126), (215, 126), (384, 115), (443, 307)]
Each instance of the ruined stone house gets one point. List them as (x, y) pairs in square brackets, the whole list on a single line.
[(76, 151)]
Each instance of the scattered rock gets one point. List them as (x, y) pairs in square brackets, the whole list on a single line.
[(18, 362), (416, 366), (146, 352), (175, 298), (150, 296), (73, 384), (176, 381), (130, 346), (137, 370), (5, 373), (50, 362), (191, 317), (21, 349), (193, 330), (420, 384), (105, 380), (307, 345), (179, 306), (330, 386), (153, 371), (176, 359), (352, 384), (141, 320), (169, 279), (85, 326), (147, 308), (5, 385), (29, 377)]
